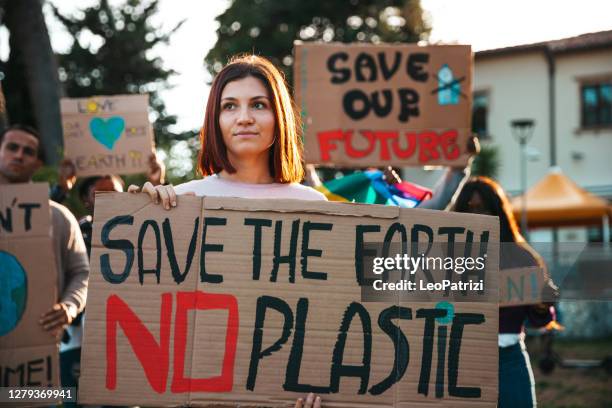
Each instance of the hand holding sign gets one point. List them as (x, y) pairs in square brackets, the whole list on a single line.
[(67, 176), (159, 194), (473, 149), (312, 401), (56, 318), (156, 171)]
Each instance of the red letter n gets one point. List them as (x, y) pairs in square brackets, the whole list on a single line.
[(153, 357)]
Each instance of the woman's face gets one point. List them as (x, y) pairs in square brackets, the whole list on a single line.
[(476, 205), (247, 120)]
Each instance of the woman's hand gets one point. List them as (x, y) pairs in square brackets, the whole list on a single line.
[(156, 171), (159, 194), (67, 175), (312, 401), (473, 146)]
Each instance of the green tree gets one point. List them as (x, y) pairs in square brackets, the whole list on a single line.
[(30, 78), (486, 163), (112, 53), (269, 27)]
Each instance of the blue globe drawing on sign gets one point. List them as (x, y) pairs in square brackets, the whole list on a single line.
[(13, 292)]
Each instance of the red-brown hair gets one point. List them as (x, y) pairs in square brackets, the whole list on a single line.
[(285, 161)]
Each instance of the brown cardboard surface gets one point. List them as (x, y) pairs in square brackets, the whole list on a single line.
[(25, 243), (359, 103), (24, 210), (107, 134), (521, 286), (30, 366), (41, 291), (242, 328), (27, 258)]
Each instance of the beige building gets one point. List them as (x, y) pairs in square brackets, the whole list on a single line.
[(565, 86)]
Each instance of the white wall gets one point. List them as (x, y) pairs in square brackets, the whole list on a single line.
[(596, 145), (518, 89), (517, 85)]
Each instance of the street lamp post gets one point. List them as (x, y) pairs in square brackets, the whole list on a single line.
[(522, 131)]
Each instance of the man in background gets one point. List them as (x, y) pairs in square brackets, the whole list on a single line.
[(20, 157), (70, 347)]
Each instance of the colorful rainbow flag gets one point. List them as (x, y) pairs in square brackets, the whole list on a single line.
[(369, 187)]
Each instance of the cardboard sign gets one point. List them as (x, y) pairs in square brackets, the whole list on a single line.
[(36, 366), (384, 105), (28, 279), (521, 286), (257, 302), (107, 134)]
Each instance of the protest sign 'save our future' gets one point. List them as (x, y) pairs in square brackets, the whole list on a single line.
[(256, 302), (379, 105)]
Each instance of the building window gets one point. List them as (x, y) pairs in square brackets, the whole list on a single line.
[(480, 111), (596, 105)]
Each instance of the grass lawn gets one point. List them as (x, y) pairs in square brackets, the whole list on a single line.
[(573, 387)]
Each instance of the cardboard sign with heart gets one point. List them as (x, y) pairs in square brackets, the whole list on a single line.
[(107, 134), (107, 131)]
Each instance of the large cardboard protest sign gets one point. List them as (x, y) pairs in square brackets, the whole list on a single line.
[(225, 301), (28, 354), (378, 105), (107, 134)]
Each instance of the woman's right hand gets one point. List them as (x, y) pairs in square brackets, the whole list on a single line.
[(159, 194), (311, 401)]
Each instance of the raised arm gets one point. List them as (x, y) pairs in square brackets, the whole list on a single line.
[(451, 181)]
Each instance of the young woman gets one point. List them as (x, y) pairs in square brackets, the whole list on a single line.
[(251, 145), (481, 195), (250, 141)]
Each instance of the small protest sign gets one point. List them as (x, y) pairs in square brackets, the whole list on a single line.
[(107, 134), (28, 354), (521, 286), (256, 302), (366, 105)]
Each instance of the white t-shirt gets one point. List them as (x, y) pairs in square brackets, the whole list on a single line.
[(216, 186)]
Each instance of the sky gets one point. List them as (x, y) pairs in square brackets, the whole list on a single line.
[(484, 24)]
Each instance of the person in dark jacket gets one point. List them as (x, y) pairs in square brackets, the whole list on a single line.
[(481, 195)]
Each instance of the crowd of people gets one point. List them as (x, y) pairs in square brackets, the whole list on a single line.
[(251, 148)]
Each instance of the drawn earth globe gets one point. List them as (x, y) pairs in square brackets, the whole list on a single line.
[(13, 292)]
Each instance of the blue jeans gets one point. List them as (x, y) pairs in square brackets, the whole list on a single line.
[(516, 383)]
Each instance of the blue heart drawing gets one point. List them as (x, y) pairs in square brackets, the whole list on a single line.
[(107, 131)]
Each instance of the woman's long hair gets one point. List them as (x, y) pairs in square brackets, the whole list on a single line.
[(496, 202), (285, 161)]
